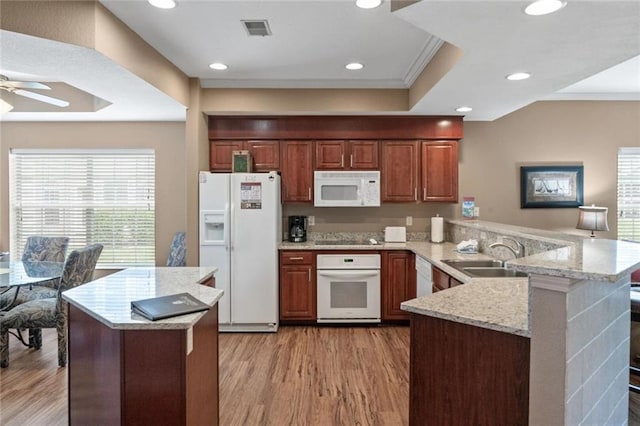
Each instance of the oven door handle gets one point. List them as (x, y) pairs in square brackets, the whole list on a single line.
[(349, 274)]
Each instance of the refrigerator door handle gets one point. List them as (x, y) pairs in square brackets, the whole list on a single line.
[(228, 212)]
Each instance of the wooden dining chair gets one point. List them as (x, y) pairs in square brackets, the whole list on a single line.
[(51, 312)]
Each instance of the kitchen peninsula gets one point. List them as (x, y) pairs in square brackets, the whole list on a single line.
[(124, 369)]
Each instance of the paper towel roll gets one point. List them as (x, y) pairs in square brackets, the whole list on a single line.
[(437, 229)]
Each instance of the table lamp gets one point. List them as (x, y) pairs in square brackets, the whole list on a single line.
[(592, 219)]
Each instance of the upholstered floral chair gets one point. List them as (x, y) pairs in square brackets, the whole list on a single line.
[(45, 249), (178, 250), (36, 251), (51, 312)]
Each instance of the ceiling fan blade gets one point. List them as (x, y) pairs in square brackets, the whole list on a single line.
[(27, 85), (41, 98)]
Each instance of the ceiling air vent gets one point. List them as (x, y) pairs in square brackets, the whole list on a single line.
[(257, 27)]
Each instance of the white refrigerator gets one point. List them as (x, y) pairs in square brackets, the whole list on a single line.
[(240, 229)]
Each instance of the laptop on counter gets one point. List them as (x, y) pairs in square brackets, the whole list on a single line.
[(173, 305)]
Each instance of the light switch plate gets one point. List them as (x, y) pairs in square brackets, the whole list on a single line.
[(409, 220), (476, 212)]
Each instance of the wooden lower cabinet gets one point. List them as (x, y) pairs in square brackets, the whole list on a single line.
[(442, 280), (398, 279), (297, 286), (466, 375)]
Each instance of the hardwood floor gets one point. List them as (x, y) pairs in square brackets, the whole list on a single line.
[(315, 376), (298, 376)]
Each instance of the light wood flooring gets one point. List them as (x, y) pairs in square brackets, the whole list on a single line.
[(298, 376)]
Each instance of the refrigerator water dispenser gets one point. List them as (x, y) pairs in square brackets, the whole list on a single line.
[(212, 228)]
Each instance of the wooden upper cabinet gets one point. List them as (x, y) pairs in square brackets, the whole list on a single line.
[(364, 155), (297, 171), (220, 154), (440, 171), (399, 175), (347, 155), (330, 155), (265, 154)]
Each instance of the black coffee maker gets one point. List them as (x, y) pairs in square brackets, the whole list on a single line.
[(297, 229)]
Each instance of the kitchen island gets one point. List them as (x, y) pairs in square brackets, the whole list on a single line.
[(124, 369)]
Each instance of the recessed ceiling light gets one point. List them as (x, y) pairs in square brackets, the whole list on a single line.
[(464, 109), (163, 4), (518, 76), (544, 7), (368, 4), (218, 66), (354, 66)]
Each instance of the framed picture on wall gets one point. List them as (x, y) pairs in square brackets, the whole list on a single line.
[(551, 186)]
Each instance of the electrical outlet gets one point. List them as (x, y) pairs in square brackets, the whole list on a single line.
[(311, 220), (476, 212), (409, 220)]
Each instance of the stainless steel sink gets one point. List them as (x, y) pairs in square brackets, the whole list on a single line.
[(493, 272), (486, 263), (487, 268)]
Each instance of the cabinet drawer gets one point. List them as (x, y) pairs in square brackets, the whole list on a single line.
[(296, 258)]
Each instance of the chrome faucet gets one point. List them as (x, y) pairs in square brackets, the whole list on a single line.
[(517, 252)]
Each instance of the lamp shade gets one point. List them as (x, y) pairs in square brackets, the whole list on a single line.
[(593, 218)]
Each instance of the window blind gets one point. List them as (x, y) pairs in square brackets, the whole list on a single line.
[(90, 196), (628, 213)]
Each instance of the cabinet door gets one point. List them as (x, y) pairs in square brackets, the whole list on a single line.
[(363, 155), (330, 155), (399, 171), (220, 155), (297, 293), (398, 283), (265, 154), (440, 279), (440, 171), (297, 171)]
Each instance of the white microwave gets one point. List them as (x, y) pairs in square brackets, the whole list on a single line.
[(346, 189)]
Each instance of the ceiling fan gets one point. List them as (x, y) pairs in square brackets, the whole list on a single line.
[(17, 87)]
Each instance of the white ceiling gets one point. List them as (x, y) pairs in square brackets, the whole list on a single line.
[(587, 50)]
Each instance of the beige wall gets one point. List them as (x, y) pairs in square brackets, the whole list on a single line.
[(167, 139), (547, 133)]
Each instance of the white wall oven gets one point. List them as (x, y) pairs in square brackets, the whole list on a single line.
[(348, 288)]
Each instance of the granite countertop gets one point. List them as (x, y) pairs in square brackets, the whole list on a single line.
[(589, 259), (108, 299), (500, 304)]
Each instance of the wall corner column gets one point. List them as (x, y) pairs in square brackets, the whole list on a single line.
[(197, 159), (579, 351)]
